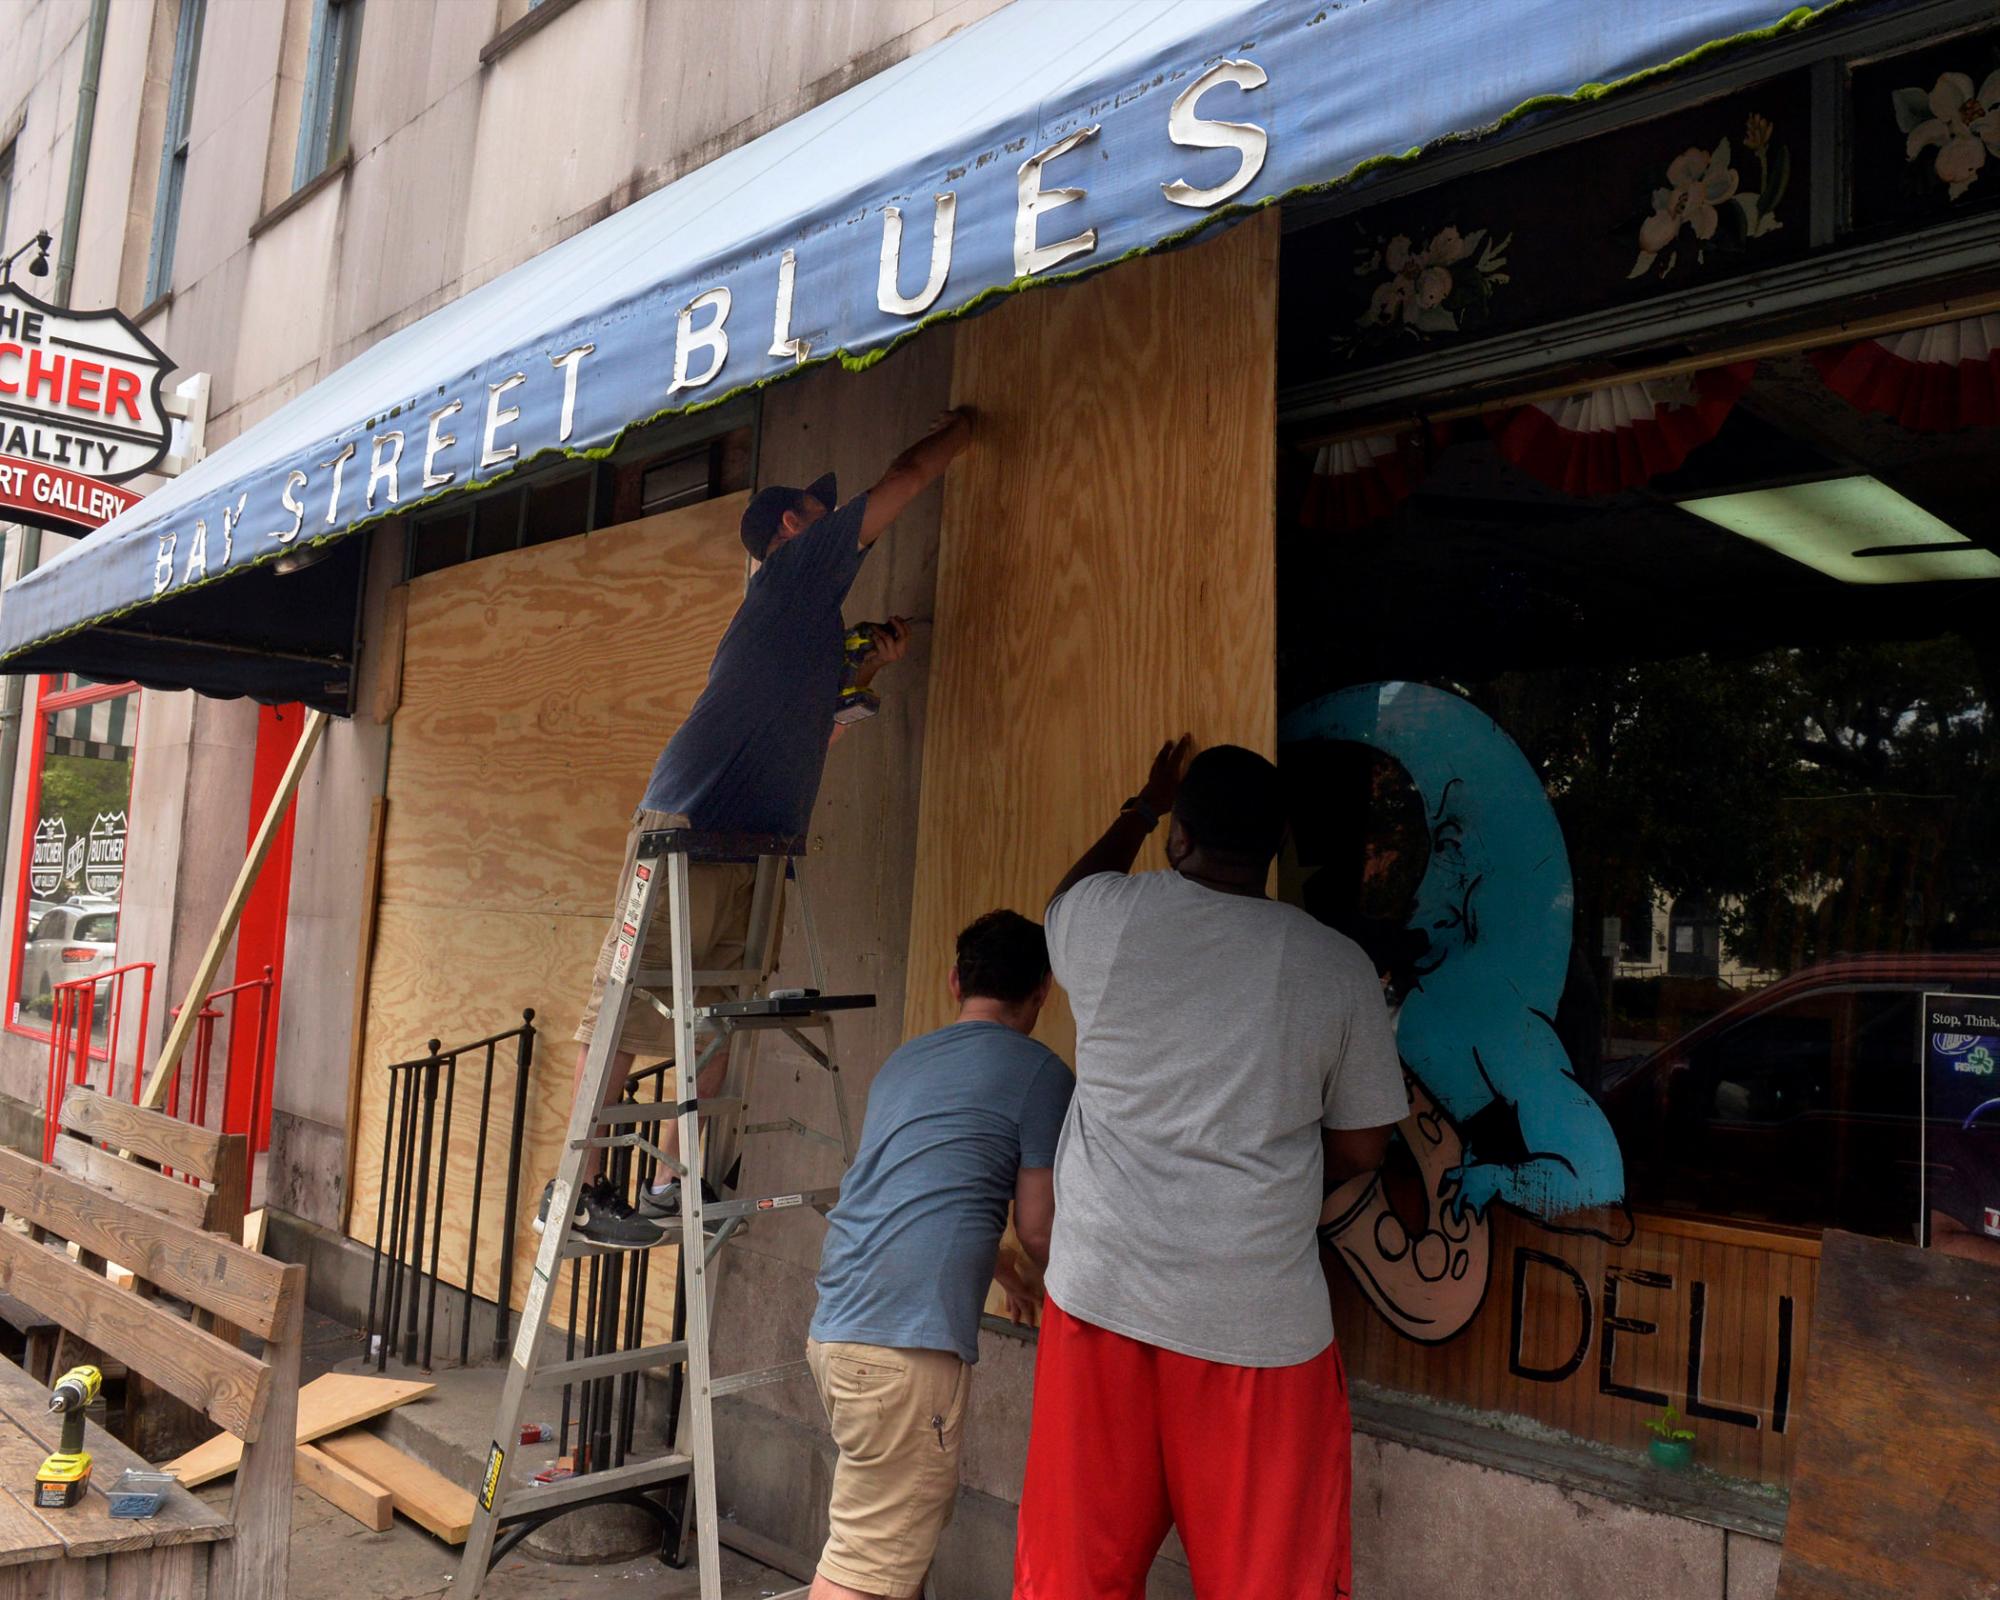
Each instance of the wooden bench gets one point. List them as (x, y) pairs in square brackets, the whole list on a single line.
[(188, 1551)]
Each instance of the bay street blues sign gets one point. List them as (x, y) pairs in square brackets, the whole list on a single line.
[(80, 412)]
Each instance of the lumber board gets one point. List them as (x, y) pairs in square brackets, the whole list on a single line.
[(28, 1433), (328, 1404), (205, 1269), (1899, 1447), (341, 1487), (1106, 576), (182, 1146), (537, 689), (425, 1496), (232, 913), (127, 1180), (230, 1386)]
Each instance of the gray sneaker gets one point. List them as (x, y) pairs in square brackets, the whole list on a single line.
[(605, 1219), (664, 1204)]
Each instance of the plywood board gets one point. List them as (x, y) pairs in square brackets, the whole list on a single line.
[(1105, 575), (326, 1405), (537, 690), (340, 1486), (1899, 1449), (426, 1497)]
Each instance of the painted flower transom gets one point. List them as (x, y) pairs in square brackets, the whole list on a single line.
[(1960, 121), (1705, 200), (1432, 288)]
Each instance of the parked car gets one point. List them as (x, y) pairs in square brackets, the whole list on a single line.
[(67, 942), (1802, 1103)]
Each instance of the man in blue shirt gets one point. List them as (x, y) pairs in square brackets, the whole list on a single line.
[(960, 1122), (748, 760)]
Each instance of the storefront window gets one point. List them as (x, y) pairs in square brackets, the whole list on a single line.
[(73, 846), (1716, 807)]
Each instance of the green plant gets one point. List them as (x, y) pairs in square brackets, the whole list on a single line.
[(1667, 1426)]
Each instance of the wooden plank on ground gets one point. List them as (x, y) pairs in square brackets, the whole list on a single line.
[(340, 1486), (183, 1146), (202, 1268), (326, 1405), (1893, 1490), (221, 1380), (127, 1180), (427, 1497), (28, 1432)]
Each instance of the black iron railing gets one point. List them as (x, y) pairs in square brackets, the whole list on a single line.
[(410, 1201)]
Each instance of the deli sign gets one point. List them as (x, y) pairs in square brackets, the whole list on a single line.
[(80, 411)]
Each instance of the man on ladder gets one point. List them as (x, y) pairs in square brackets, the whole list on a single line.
[(748, 760)]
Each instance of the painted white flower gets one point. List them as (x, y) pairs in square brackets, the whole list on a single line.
[(1964, 125), (1698, 182)]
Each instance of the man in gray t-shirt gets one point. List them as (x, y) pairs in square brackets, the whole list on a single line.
[(1234, 1062)]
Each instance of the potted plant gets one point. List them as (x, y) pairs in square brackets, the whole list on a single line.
[(1672, 1446)]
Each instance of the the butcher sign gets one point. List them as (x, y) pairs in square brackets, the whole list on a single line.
[(80, 412)]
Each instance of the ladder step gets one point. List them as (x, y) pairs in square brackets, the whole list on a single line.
[(757, 1377), (608, 1365), (792, 1006), (626, 1116), (723, 1210), (570, 1491)]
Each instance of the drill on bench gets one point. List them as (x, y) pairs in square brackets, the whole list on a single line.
[(65, 1476)]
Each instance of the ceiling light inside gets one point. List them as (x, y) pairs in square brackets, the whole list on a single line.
[(1857, 530)]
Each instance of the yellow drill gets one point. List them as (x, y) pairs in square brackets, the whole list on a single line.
[(65, 1476)]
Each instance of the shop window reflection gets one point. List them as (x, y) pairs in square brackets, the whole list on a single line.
[(74, 843)]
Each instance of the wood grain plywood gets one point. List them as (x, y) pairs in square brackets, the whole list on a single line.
[(1899, 1451), (1105, 575), (1590, 1337), (537, 690)]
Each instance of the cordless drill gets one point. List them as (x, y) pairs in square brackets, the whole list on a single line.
[(65, 1476), (857, 701)]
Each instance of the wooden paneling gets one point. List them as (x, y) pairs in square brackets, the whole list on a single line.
[(1899, 1452), (1105, 575), (1744, 1296), (537, 690)]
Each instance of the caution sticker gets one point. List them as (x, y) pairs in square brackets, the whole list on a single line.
[(489, 1487), (780, 1202)]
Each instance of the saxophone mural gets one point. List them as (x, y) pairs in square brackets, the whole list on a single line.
[(1476, 1031)]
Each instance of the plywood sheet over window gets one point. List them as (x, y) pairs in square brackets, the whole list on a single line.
[(538, 688), (1104, 575)]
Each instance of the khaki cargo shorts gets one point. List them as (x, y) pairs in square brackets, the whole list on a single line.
[(719, 916), (898, 1418)]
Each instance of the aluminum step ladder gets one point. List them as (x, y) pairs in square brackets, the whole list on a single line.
[(507, 1510)]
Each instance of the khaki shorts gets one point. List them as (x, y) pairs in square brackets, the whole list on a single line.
[(898, 1418), (719, 917)]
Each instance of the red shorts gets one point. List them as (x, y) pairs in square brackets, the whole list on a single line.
[(1251, 1464)]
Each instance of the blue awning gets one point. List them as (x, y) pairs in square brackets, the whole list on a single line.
[(1049, 139)]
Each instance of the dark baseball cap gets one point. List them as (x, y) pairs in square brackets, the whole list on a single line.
[(765, 513)]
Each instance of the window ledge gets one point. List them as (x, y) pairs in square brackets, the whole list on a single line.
[(1516, 1445), (298, 197), (154, 307), (526, 26)]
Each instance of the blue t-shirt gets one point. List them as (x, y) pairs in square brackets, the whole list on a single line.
[(748, 758), (952, 1118)]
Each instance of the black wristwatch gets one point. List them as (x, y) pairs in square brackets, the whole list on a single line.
[(1146, 813)]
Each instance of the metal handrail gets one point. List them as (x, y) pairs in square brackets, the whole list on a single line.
[(414, 1154)]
